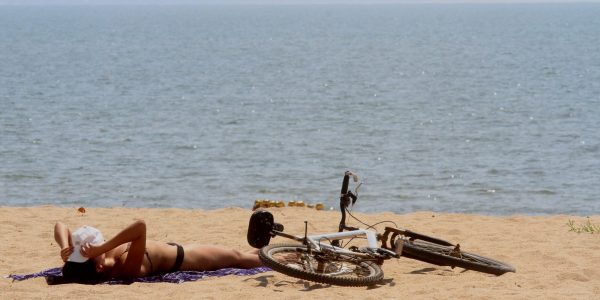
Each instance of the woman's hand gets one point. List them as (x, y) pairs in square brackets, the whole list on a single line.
[(90, 251), (66, 252)]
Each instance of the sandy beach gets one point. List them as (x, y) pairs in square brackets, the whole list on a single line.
[(552, 262)]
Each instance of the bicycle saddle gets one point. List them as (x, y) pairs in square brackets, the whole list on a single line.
[(259, 228)]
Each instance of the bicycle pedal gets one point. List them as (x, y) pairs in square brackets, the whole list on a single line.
[(456, 251)]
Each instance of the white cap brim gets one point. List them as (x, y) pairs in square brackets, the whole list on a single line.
[(76, 255)]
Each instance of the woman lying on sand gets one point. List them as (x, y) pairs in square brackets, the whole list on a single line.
[(88, 258)]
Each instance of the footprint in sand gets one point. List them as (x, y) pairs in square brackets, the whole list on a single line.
[(573, 276)]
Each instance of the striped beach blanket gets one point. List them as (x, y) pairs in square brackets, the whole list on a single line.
[(54, 275)]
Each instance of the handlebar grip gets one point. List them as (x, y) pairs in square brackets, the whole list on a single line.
[(345, 183)]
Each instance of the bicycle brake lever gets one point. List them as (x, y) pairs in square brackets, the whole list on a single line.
[(353, 197), (356, 189)]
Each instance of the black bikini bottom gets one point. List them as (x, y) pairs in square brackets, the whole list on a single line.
[(178, 259)]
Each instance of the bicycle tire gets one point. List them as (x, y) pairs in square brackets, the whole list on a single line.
[(418, 236), (344, 271), (446, 256)]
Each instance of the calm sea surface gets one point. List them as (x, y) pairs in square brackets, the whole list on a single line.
[(490, 109)]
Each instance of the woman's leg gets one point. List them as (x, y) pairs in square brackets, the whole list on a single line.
[(207, 257)]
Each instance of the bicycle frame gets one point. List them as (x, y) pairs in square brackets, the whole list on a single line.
[(314, 241)]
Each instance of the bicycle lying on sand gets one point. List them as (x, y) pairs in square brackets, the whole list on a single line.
[(325, 259)]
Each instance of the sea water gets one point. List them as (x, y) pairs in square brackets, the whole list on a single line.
[(491, 109)]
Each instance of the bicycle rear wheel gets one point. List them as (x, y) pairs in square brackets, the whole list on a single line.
[(450, 256), (333, 268)]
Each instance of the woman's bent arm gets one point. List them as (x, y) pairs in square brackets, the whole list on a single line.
[(62, 236), (134, 233)]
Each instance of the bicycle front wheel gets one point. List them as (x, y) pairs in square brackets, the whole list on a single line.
[(332, 268), (452, 256)]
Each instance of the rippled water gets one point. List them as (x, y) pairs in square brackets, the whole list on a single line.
[(463, 108)]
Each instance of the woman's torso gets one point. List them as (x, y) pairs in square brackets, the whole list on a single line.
[(158, 258)]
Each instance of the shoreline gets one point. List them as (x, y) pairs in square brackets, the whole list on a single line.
[(334, 208), (551, 261)]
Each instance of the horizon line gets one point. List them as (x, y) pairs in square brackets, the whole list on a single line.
[(282, 3)]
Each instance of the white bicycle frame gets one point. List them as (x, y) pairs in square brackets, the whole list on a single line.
[(315, 240)]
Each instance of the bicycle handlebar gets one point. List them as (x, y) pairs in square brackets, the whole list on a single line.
[(346, 195), (346, 181), (345, 198)]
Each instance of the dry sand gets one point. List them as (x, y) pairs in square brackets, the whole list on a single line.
[(551, 261)]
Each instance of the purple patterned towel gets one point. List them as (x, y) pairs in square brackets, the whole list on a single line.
[(54, 275)]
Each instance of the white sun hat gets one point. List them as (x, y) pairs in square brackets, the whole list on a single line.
[(80, 237)]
